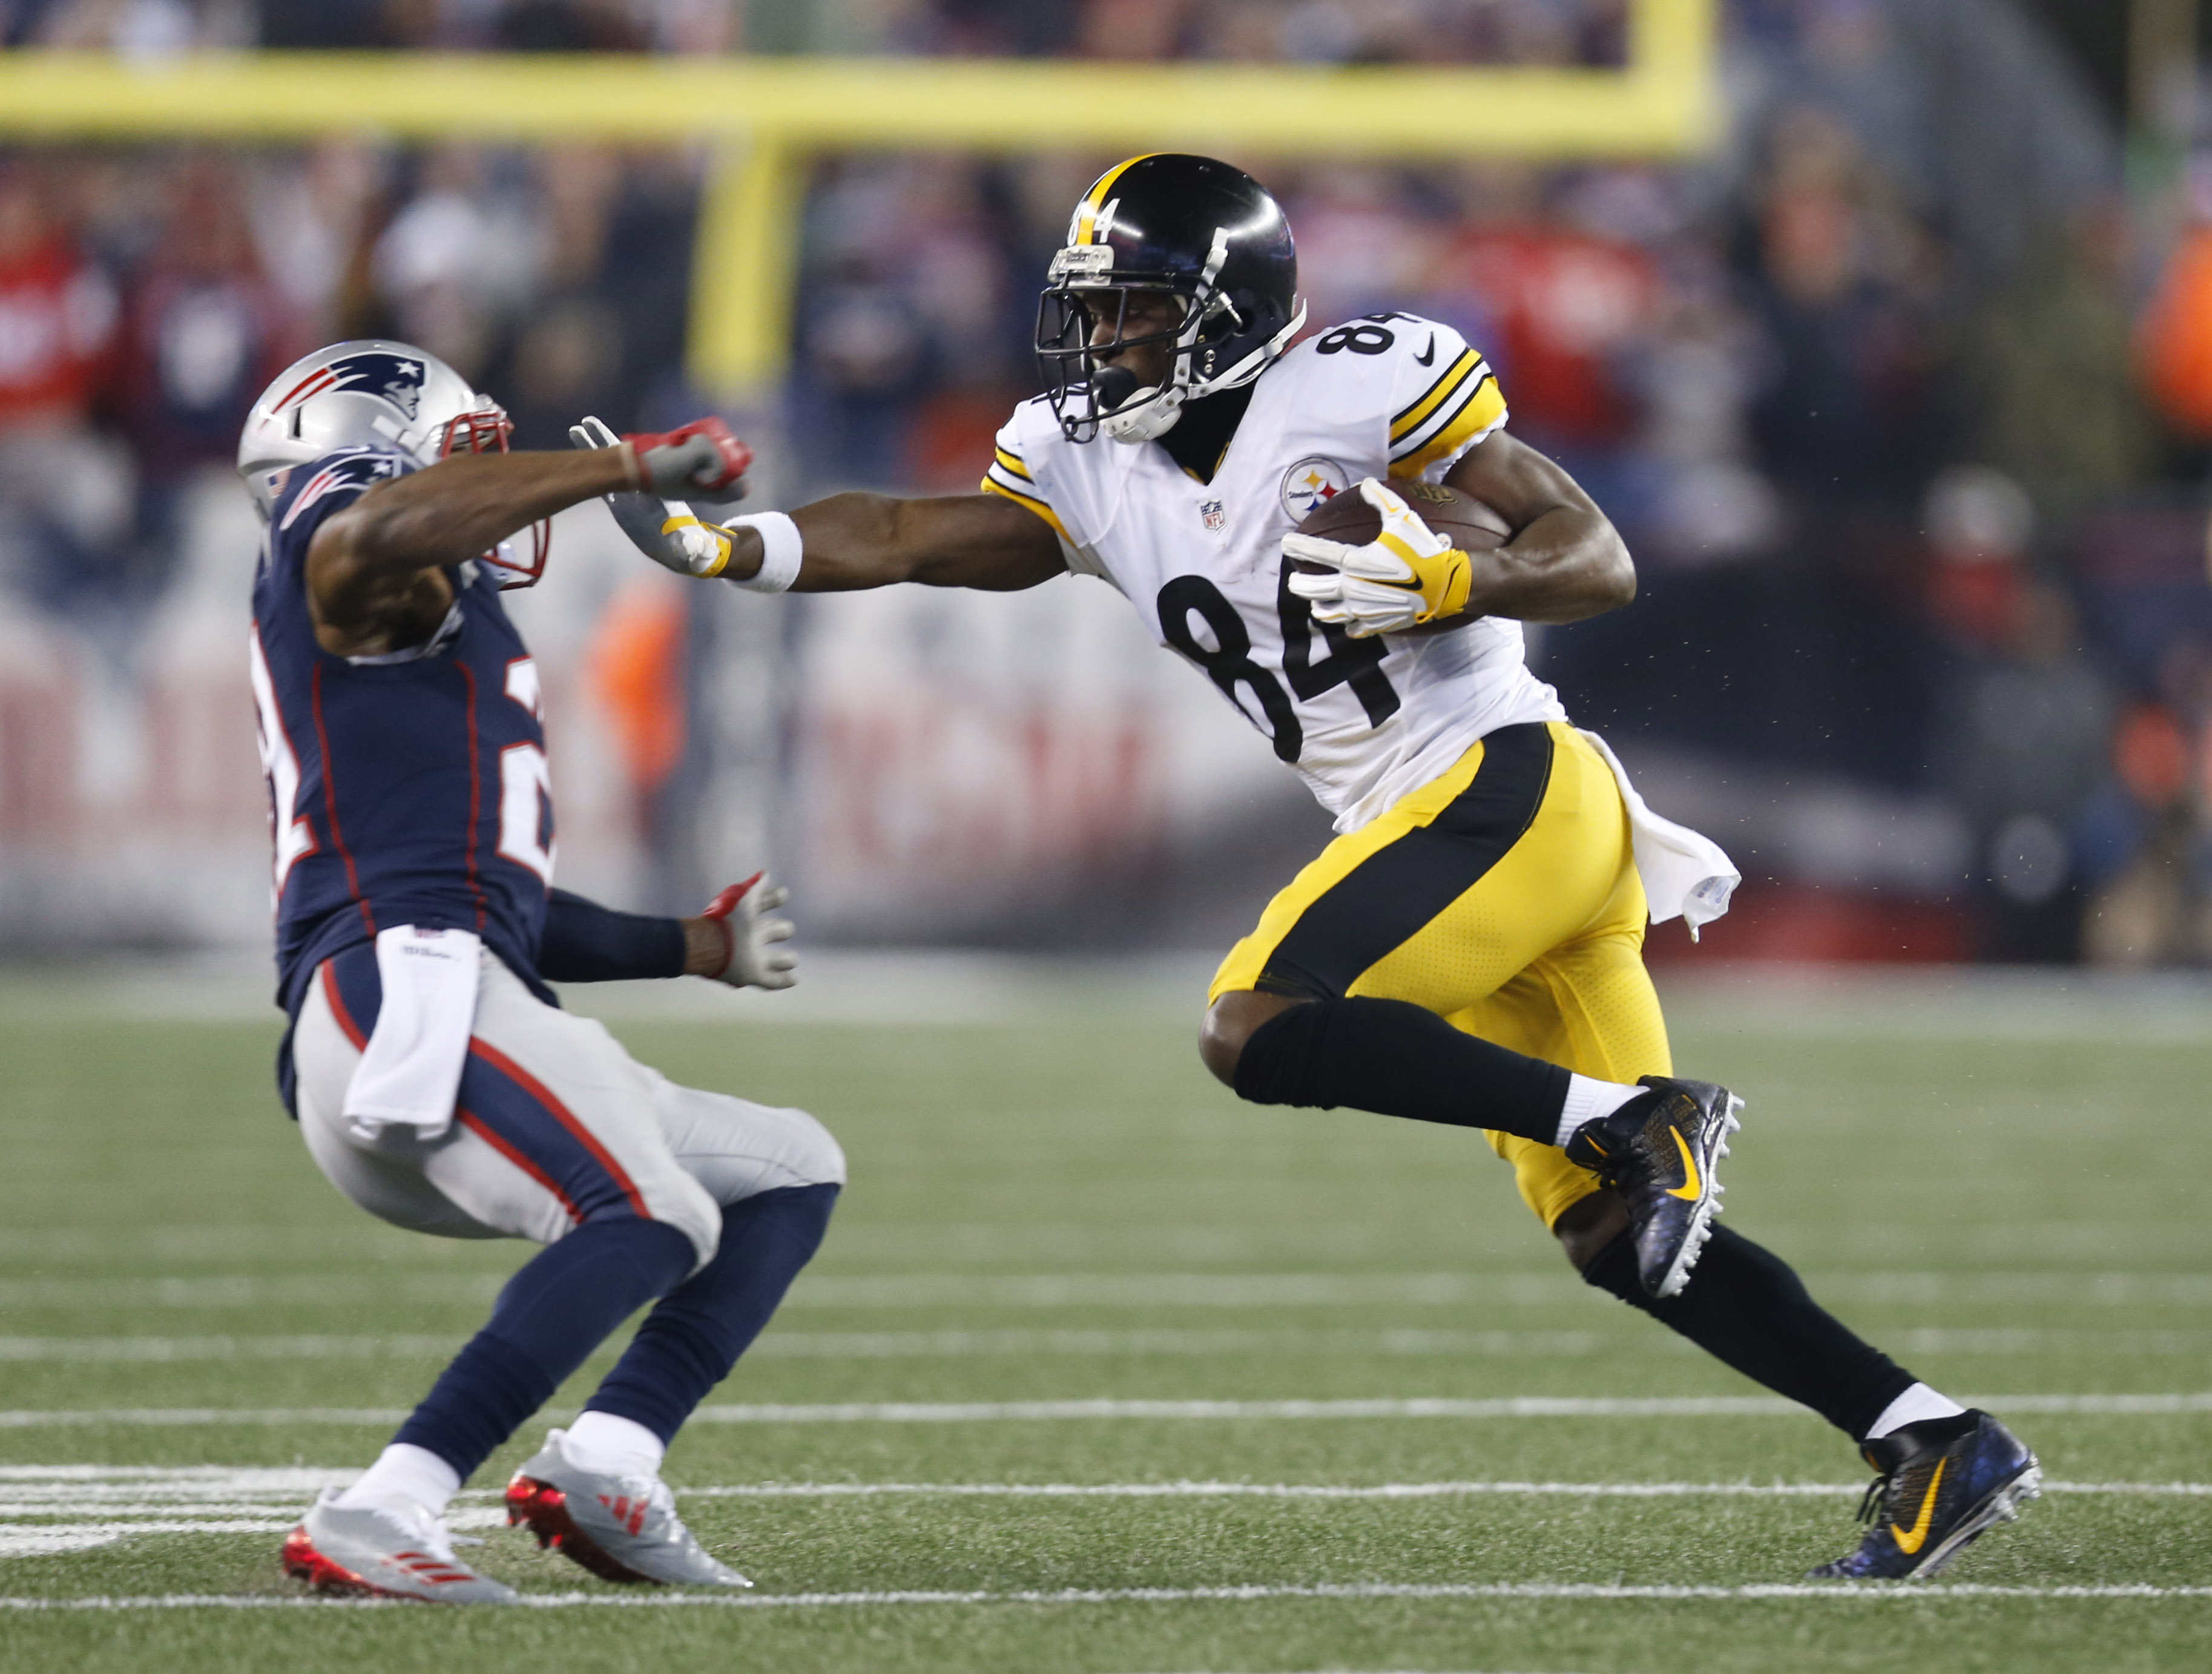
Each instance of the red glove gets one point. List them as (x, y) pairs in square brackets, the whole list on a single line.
[(702, 457)]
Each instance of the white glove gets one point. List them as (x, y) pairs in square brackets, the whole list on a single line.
[(665, 530), (1406, 575), (756, 960)]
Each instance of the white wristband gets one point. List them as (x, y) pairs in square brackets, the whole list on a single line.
[(780, 551)]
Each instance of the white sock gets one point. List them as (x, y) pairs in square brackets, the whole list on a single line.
[(1915, 1406), (402, 1470), (614, 1446), (1588, 1100)]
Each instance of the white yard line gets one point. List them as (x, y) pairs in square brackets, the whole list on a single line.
[(983, 1344), (914, 1346), (48, 1540), (1027, 1345), (1206, 1490), (250, 1492), (1111, 1289), (977, 1413), (276, 1475), (199, 1417), (1519, 1406), (48, 1511), (109, 1349), (1842, 1590), (126, 1500)]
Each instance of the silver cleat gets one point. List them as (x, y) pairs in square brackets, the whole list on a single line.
[(622, 1528), (388, 1551)]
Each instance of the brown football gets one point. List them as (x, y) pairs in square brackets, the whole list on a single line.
[(1467, 523)]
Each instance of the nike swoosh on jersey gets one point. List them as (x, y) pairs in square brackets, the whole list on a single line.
[(1911, 1542), (1427, 357), (1693, 1184)]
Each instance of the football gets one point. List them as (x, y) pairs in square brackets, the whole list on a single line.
[(1468, 524)]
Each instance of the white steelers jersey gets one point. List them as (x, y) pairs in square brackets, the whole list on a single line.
[(1364, 721)]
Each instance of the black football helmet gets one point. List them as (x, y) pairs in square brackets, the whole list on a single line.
[(1204, 231)]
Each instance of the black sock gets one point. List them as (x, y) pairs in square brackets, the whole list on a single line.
[(1746, 1306), (1396, 1059)]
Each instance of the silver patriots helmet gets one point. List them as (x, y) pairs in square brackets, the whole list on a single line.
[(1209, 235), (371, 392)]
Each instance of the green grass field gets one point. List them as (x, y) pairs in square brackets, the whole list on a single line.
[(1060, 1208)]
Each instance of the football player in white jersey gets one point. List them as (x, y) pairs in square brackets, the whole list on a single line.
[(1468, 948)]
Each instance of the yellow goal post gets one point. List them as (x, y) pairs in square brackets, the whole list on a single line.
[(767, 117)]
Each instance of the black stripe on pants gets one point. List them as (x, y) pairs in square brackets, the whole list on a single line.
[(1384, 900)]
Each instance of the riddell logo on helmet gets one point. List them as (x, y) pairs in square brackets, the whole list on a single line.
[(395, 377), (1081, 261)]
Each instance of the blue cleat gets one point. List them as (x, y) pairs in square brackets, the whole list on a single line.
[(1661, 1153), (1936, 1497)]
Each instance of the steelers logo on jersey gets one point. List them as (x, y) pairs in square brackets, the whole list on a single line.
[(1310, 484)]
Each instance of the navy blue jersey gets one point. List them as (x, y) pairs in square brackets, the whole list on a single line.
[(409, 789)]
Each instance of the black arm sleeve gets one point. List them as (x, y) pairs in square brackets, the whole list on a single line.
[(584, 942)]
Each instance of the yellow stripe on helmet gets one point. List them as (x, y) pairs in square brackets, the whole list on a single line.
[(1086, 213)]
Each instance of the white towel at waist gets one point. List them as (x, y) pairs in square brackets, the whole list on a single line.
[(1686, 874), (410, 1072)]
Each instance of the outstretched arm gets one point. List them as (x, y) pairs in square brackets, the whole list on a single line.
[(1565, 562), (849, 541), (374, 569), (862, 540)]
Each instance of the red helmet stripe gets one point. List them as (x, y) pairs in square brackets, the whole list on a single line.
[(313, 383)]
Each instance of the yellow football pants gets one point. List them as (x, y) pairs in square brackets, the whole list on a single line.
[(1502, 896)]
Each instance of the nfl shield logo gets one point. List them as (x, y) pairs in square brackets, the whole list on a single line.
[(1216, 519)]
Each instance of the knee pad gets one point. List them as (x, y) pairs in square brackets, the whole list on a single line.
[(815, 1157), (689, 1208)]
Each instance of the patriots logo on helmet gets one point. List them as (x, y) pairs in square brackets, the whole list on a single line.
[(397, 378)]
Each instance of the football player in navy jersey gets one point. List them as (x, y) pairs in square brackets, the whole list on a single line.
[(434, 1077)]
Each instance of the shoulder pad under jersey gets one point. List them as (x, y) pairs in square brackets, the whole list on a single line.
[(1435, 391)]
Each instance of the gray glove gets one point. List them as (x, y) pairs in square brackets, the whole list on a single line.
[(742, 911), (665, 530)]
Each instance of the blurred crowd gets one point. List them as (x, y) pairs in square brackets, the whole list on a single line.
[(1546, 32), (1917, 483), (145, 299)]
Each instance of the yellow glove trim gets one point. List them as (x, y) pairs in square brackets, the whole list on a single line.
[(721, 542), (1444, 580)]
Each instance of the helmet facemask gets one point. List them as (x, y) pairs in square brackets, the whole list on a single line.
[(485, 428), (1217, 345)]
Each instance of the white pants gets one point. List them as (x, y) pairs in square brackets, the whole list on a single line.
[(556, 1124)]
